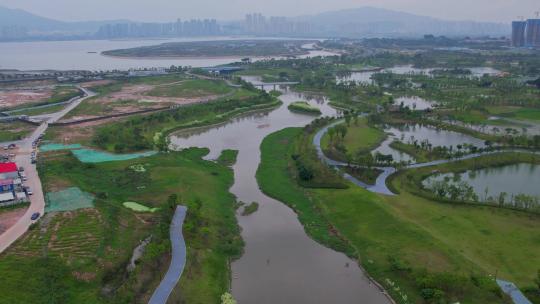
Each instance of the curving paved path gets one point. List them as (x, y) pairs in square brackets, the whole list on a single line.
[(380, 184), (37, 200), (178, 261)]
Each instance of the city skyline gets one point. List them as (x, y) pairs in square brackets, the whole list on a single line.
[(167, 10)]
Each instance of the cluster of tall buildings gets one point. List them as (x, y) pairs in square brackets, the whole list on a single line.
[(259, 24), (526, 33), (194, 27)]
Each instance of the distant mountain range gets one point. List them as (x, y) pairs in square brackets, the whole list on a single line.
[(34, 23), (360, 22), (370, 21)]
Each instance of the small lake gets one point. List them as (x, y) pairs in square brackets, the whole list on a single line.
[(409, 133), (398, 156), (415, 102), (365, 77), (512, 179)]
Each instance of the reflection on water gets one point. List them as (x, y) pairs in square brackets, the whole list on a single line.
[(364, 77), (411, 133), (415, 102), (398, 156), (512, 179), (281, 264)]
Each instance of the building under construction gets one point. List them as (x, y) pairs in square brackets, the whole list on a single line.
[(532, 35), (518, 33)]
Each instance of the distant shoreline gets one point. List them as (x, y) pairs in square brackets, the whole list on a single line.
[(201, 56)]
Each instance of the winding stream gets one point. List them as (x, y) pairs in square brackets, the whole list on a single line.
[(281, 264)]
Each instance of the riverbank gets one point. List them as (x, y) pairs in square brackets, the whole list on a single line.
[(366, 230), (369, 223)]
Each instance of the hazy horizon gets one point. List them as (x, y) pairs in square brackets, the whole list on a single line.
[(168, 10)]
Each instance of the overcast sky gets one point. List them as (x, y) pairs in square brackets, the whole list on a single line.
[(166, 10)]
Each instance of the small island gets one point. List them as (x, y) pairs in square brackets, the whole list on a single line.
[(304, 107), (225, 48)]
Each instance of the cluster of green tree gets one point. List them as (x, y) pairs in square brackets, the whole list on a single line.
[(461, 92), (461, 191)]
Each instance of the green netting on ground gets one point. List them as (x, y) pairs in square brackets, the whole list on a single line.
[(56, 147), (93, 156), (69, 199)]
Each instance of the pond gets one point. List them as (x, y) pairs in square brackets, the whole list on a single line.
[(398, 156), (281, 264), (364, 77), (415, 102), (491, 182), (409, 133)]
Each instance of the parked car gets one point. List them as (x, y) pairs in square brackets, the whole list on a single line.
[(35, 216), (28, 191), (12, 146)]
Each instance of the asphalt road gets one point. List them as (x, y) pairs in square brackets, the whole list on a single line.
[(178, 261), (37, 200)]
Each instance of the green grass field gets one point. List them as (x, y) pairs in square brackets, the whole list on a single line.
[(515, 112), (81, 256), (191, 88), (406, 239), (14, 130), (360, 137)]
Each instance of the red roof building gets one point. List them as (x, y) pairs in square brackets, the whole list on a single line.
[(8, 167)]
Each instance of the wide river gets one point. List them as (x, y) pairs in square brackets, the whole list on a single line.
[(281, 264), (85, 55)]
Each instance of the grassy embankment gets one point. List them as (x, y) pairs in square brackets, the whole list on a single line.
[(419, 154), (14, 130), (360, 138), (431, 251), (81, 256), (304, 107)]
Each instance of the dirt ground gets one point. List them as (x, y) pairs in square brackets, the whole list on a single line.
[(17, 97), (140, 93), (130, 98), (9, 218), (80, 133)]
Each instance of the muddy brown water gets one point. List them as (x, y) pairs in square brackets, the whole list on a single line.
[(281, 264)]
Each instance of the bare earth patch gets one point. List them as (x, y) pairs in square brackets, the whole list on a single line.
[(9, 218), (140, 93), (13, 98), (131, 98)]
